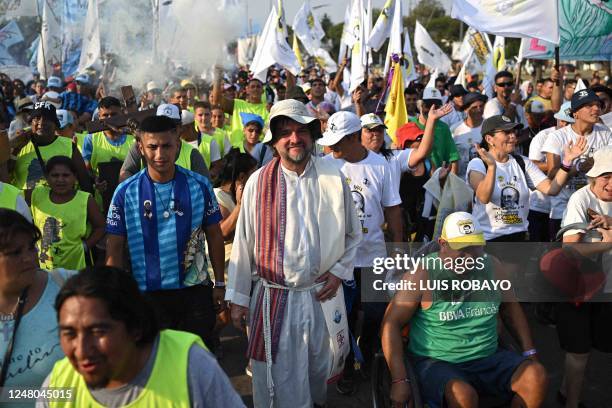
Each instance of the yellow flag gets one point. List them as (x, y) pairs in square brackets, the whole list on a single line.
[(296, 50), (395, 110)]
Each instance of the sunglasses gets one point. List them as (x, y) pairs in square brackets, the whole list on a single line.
[(505, 84)]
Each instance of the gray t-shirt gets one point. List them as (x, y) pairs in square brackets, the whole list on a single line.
[(133, 162), (208, 385)]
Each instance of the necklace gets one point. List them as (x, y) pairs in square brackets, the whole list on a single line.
[(166, 206), (6, 317)]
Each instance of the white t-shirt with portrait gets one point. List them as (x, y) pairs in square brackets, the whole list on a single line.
[(576, 212), (372, 188), (601, 136), (507, 211), (464, 138), (539, 201)]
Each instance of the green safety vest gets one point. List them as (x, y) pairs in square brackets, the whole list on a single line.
[(103, 151), (80, 137), (204, 147), (236, 135), (28, 172), (455, 331), (8, 196), (63, 227), (167, 385)]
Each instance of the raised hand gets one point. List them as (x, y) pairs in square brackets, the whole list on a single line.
[(443, 111), (485, 155), (572, 151)]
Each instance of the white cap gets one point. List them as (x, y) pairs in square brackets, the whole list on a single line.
[(292, 109), (461, 230), (432, 93), (371, 121), (83, 78), (306, 87), (187, 117), (65, 118), (169, 110), (152, 86), (603, 162), (54, 82), (340, 124), (565, 113), (53, 98), (536, 107)]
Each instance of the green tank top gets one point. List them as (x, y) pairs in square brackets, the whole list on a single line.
[(104, 152), (8, 196), (204, 147), (456, 328), (63, 227), (28, 172), (167, 385), (237, 136)]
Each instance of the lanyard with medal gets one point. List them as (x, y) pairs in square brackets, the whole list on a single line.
[(171, 206)]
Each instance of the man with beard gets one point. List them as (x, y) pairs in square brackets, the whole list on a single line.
[(295, 242)]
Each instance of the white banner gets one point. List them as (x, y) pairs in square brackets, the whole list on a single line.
[(382, 28), (18, 8), (511, 18), (358, 48), (273, 49), (395, 35), (307, 28), (10, 34), (90, 51), (428, 52), (50, 45)]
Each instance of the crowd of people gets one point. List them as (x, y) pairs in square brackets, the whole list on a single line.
[(266, 205)]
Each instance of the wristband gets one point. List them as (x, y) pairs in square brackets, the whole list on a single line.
[(400, 380), (565, 168), (219, 284), (529, 353)]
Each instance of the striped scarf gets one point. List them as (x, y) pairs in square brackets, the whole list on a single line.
[(270, 244)]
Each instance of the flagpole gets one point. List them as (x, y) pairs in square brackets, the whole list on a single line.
[(42, 43), (558, 82)]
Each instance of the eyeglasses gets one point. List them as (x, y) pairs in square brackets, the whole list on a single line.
[(505, 84)]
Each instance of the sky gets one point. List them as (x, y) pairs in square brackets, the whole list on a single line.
[(258, 10)]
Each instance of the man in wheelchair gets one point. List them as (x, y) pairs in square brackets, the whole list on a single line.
[(453, 337)]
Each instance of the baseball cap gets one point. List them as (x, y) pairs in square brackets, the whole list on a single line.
[(44, 109), (457, 90), (603, 162), (247, 118), (371, 121), (306, 87), (54, 82), (64, 117), (408, 133), (82, 78), (169, 110), (536, 107), (53, 98), (187, 117), (565, 113), (24, 104), (461, 230), (472, 97), (583, 97), (187, 83), (340, 124), (432, 94), (498, 122), (294, 110), (152, 86)]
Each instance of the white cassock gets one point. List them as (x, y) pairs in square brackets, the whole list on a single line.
[(304, 354)]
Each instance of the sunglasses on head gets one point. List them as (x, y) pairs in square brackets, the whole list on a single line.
[(504, 84)]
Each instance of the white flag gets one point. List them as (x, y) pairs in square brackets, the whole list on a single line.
[(409, 73), (246, 49), (325, 60), (50, 45), (534, 48), (488, 80), (499, 53), (395, 35), (273, 49), (358, 48), (18, 8), (382, 28), (10, 34), (90, 51), (428, 52), (510, 18), (461, 75), (344, 47), (307, 28)]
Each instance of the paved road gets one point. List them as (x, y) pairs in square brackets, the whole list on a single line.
[(597, 392)]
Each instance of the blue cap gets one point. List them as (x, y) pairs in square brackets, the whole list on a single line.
[(247, 118), (565, 113)]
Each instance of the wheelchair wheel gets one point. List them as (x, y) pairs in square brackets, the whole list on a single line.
[(381, 383)]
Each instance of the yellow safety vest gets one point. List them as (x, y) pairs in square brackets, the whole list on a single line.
[(8, 196), (104, 152), (167, 385), (236, 135), (204, 147), (28, 171)]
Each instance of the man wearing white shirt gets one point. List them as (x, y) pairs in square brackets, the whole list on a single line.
[(295, 241), (501, 104), (467, 132), (457, 93), (377, 201)]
